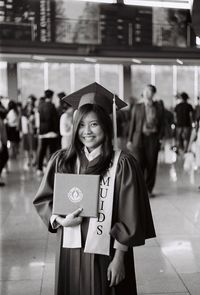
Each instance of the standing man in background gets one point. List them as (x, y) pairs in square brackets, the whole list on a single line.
[(145, 133), (184, 118), (3, 144), (48, 129)]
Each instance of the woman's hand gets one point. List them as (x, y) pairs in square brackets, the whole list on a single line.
[(71, 219), (116, 269)]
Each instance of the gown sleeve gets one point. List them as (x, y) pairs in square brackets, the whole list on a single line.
[(44, 197), (132, 221)]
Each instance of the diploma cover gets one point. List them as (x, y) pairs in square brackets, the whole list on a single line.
[(73, 191)]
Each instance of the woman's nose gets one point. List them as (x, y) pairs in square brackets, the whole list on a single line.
[(87, 129)]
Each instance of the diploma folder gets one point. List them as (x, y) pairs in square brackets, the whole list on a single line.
[(73, 191)]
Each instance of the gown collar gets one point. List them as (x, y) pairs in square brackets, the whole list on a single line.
[(93, 154)]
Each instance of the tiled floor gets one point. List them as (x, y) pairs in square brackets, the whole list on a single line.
[(169, 264)]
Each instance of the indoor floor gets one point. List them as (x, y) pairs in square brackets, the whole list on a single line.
[(168, 264)]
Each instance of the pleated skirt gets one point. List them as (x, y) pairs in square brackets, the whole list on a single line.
[(81, 273)]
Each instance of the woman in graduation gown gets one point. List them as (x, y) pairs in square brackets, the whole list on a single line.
[(78, 272)]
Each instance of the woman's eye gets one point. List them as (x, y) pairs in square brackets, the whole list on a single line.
[(81, 125), (94, 124)]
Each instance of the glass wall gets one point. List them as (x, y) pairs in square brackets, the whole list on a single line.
[(34, 78), (140, 76), (164, 84), (84, 74), (30, 80), (110, 77), (58, 79), (3, 79), (185, 81), (168, 79)]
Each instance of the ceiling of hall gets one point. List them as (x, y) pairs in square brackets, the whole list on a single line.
[(99, 60)]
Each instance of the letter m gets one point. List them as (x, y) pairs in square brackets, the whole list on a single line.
[(105, 181)]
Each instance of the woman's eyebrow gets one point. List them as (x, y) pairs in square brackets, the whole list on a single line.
[(90, 121)]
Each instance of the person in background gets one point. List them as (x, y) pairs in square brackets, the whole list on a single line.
[(13, 126), (48, 129), (102, 262), (4, 101), (197, 111), (146, 131), (169, 146), (194, 142), (29, 132), (122, 126), (183, 118), (3, 145), (61, 108), (66, 126), (3, 110)]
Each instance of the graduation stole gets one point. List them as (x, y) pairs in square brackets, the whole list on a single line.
[(98, 235)]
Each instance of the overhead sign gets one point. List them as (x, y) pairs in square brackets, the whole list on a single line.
[(86, 23), (195, 13)]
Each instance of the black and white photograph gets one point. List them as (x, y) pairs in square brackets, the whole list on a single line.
[(99, 147)]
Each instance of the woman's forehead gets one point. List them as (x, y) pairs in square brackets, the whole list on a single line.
[(91, 116)]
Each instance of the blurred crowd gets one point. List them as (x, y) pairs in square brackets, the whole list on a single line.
[(38, 128), (35, 130)]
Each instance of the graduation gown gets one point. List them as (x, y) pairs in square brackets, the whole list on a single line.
[(79, 273)]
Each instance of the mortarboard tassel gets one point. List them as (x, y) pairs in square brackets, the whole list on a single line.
[(115, 145)]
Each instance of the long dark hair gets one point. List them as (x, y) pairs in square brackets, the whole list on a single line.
[(12, 105), (66, 162)]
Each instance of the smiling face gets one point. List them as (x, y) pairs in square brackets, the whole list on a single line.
[(90, 132)]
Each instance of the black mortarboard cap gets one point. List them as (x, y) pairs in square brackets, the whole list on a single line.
[(94, 94)]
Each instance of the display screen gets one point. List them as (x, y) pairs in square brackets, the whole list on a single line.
[(74, 22)]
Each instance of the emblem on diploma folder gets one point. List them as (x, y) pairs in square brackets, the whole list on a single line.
[(73, 191), (75, 195)]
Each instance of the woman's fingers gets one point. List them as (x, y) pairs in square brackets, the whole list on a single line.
[(73, 218), (110, 277), (119, 279), (114, 278), (77, 212), (108, 274), (78, 220)]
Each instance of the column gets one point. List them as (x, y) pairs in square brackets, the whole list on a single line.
[(12, 81), (127, 82)]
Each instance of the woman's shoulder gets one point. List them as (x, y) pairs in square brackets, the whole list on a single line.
[(127, 157), (128, 166), (57, 155)]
